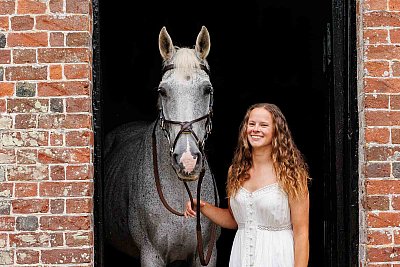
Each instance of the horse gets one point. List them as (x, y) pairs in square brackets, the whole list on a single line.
[(151, 168)]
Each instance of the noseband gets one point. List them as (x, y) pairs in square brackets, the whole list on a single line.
[(186, 127)]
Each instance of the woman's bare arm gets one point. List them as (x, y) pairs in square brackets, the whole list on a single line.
[(220, 216), (299, 210)]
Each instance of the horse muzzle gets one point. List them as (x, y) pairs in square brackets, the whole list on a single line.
[(187, 165)]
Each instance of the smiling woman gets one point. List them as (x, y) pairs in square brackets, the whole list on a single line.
[(268, 194)]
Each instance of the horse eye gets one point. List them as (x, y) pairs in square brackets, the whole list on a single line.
[(162, 91), (208, 90)]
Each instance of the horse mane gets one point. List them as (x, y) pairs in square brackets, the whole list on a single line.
[(186, 61)]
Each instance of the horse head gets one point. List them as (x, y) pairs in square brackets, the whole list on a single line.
[(185, 102)]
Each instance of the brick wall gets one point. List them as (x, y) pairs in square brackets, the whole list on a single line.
[(46, 137), (380, 139)]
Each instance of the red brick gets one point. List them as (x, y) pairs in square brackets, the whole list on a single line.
[(382, 187), (79, 205), (31, 7), (379, 237), (376, 68), (78, 138), (77, 71), (3, 240), (56, 138), (394, 5), (382, 118), (395, 102), (79, 105), (59, 223), (56, 6), (374, 85), (24, 105), (7, 223), (26, 156), (57, 206), (26, 190), (22, 56), (26, 73), (5, 56), (57, 172), (2, 105), (25, 121), (376, 101), (63, 88), (78, 39), (381, 19), (396, 202), (7, 89), (28, 173), (77, 6), (81, 172), (22, 23), (66, 23), (25, 138), (380, 52), (56, 239), (377, 135), (26, 206), (66, 189), (7, 156), (65, 256), (25, 256), (4, 25), (394, 35), (383, 254), (69, 121), (64, 155), (6, 190), (29, 239), (375, 4), (377, 203), (56, 39), (78, 239), (383, 219), (63, 55), (27, 39), (395, 136), (55, 72), (7, 7)]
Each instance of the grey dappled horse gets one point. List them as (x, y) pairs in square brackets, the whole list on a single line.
[(136, 221)]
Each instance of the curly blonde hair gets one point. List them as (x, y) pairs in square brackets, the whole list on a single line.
[(289, 165)]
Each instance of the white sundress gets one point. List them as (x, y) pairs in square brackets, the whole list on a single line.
[(264, 237)]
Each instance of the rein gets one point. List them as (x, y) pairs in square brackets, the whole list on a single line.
[(187, 127)]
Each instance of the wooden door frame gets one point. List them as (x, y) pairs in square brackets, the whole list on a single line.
[(341, 178)]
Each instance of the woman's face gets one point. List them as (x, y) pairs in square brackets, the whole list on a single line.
[(260, 128)]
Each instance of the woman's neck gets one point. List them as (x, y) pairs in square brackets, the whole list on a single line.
[(261, 158)]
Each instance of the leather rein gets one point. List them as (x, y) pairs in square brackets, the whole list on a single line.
[(186, 127)]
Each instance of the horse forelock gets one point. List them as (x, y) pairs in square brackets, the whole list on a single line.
[(186, 61)]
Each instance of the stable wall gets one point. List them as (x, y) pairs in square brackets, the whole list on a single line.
[(46, 136)]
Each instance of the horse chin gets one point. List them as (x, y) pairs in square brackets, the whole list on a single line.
[(188, 177)]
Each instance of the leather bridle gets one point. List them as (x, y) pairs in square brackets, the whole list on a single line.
[(186, 127)]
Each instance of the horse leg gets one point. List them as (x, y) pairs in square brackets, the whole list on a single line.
[(150, 257)]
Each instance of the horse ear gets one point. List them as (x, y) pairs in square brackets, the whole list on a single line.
[(165, 44), (203, 43)]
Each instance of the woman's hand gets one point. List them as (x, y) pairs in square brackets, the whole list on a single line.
[(189, 212)]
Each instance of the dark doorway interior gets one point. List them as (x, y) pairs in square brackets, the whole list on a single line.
[(261, 51)]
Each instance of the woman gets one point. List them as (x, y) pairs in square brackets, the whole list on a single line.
[(267, 188)]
